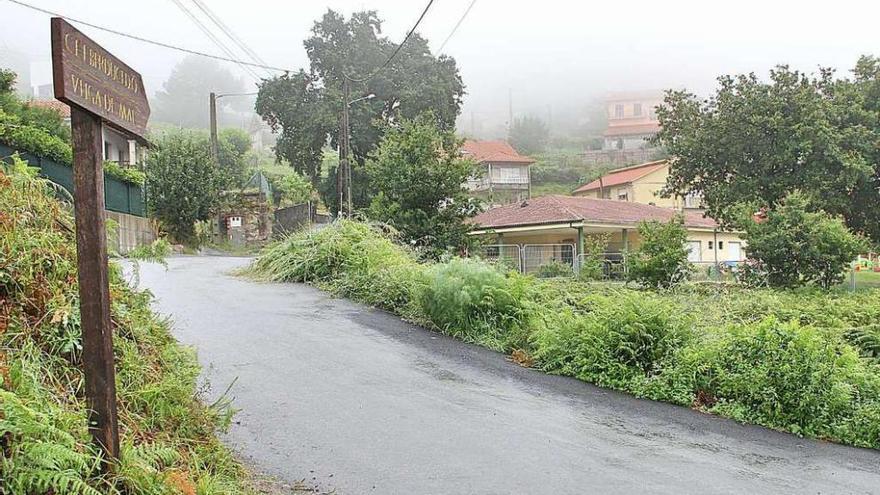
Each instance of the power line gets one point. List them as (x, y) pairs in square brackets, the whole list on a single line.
[(212, 37), (228, 32), (466, 12), (149, 41), (396, 50)]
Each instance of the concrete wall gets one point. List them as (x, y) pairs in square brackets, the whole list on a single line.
[(130, 232)]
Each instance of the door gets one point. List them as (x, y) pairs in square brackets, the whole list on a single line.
[(734, 251), (695, 253)]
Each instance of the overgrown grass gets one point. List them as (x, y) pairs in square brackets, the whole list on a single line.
[(800, 361), (167, 434)]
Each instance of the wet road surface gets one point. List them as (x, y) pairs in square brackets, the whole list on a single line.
[(353, 399)]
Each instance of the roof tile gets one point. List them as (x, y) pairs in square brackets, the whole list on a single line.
[(564, 209)]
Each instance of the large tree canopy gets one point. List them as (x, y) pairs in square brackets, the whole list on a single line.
[(305, 107), (754, 142)]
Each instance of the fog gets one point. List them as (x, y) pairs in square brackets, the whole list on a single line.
[(549, 58)]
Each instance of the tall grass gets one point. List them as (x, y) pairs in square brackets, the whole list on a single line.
[(800, 361), (168, 435)]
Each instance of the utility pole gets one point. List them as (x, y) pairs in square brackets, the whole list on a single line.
[(342, 170), (215, 147), (347, 96)]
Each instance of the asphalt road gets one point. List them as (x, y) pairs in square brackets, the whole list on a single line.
[(355, 400)]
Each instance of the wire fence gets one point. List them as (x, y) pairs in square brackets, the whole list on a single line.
[(510, 255), (561, 260), (548, 260)]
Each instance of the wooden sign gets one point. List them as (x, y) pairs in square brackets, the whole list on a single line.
[(91, 78), (100, 89)]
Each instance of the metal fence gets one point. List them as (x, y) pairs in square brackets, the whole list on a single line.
[(509, 255), (548, 260), (610, 266)]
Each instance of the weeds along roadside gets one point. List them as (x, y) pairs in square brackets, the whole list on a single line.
[(167, 434), (799, 361)]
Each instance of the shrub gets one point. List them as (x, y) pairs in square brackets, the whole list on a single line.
[(661, 259), (783, 375), (593, 261), (46, 447), (554, 269), (796, 246), (476, 302), (184, 183), (349, 258), (620, 341)]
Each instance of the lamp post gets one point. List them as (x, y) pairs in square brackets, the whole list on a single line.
[(215, 146)]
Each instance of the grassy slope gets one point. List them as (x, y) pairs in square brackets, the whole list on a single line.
[(167, 434), (804, 362)]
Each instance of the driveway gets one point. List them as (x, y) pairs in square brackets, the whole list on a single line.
[(354, 400)]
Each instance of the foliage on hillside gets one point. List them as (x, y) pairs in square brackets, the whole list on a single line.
[(42, 132), (167, 434), (800, 361)]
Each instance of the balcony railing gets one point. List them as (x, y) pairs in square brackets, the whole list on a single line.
[(484, 183)]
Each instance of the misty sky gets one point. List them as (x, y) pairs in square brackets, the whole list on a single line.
[(552, 55)]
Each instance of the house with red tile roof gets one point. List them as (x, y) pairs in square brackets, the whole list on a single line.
[(641, 183), (506, 175), (562, 222), (631, 120)]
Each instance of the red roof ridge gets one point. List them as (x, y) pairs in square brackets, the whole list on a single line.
[(594, 184)]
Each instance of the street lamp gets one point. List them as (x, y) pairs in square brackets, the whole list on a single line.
[(368, 97), (213, 112)]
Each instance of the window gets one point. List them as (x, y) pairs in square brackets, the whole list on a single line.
[(618, 111), (622, 196), (106, 150), (720, 245), (637, 109), (710, 245)]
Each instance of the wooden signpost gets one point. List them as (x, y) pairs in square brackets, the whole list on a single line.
[(100, 89)]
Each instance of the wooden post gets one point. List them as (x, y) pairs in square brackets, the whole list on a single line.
[(94, 284)]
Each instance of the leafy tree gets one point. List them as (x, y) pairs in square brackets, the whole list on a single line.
[(307, 106), (795, 246), (754, 142), (661, 260), (420, 175), (183, 99), (183, 182), (233, 147), (292, 189), (529, 135), (293, 105)]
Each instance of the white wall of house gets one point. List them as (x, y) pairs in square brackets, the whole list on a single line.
[(117, 148)]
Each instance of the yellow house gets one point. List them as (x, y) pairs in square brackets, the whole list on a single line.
[(638, 184), (560, 223)]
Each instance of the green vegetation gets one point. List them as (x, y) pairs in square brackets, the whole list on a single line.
[(184, 182), (43, 133), (802, 361), (795, 246), (755, 141), (562, 171), (661, 260), (167, 434), (419, 173), (305, 106), (529, 135)]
